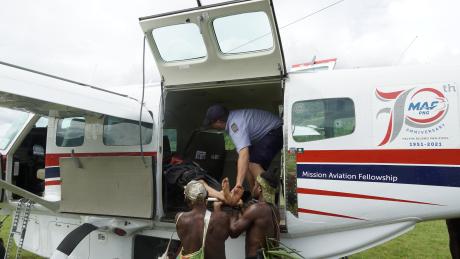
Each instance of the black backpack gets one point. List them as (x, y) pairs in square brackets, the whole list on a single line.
[(182, 174)]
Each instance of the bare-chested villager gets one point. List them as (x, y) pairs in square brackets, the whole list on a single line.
[(201, 232), (260, 220)]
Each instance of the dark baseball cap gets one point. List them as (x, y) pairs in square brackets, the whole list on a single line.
[(214, 113)]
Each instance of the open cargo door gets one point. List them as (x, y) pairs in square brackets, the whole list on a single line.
[(236, 40), (87, 170)]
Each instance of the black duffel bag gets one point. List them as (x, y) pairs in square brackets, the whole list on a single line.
[(182, 174)]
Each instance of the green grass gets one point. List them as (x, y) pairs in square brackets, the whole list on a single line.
[(4, 231), (428, 240)]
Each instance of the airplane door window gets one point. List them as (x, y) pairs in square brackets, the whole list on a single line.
[(245, 32), (123, 132), (179, 42), (322, 119), (70, 132)]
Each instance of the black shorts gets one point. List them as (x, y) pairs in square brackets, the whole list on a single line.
[(263, 151)]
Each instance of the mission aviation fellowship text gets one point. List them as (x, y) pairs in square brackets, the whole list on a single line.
[(350, 176)]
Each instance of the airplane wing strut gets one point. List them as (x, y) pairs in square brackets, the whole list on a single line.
[(51, 205)]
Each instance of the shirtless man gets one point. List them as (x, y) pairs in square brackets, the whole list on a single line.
[(260, 220), (218, 232), (202, 233)]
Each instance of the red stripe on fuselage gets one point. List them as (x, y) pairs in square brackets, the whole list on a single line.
[(355, 195), (53, 159), (54, 182), (388, 156), (322, 213)]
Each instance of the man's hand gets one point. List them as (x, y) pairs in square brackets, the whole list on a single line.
[(238, 190), (232, 197), (236, 194)]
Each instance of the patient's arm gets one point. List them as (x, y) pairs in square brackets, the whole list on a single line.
[(226, 196), (213, 192)]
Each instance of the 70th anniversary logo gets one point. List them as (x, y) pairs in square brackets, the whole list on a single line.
[(417, 115)]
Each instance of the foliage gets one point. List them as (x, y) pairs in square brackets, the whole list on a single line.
[(277, 250)]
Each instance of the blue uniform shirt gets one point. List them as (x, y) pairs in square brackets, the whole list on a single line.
[(250, 125)]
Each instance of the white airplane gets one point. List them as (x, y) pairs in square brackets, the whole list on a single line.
[(368, 152)]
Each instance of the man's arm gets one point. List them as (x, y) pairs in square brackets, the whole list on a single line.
[(243, 165), (241, 224), (223, 219), (213, 192)]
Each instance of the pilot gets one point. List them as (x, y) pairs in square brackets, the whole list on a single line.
[(257, 136)]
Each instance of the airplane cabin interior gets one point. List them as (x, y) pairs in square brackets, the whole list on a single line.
[(185, 139), (29, 158)]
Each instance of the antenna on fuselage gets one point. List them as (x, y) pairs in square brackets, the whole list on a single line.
[(199, 3), (405, 50)]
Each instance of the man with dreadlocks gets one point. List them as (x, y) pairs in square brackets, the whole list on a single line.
[(202, 235), (261, 219)]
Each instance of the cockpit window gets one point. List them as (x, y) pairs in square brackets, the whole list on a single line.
[(42, 123), (245, 32), (122, 132), (11, 121), (70, 132), (179, 42)]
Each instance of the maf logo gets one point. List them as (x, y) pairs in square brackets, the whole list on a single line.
[(415, 107), (426, 107)]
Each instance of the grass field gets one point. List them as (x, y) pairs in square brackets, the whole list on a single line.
[(4, 231), (428, 240)]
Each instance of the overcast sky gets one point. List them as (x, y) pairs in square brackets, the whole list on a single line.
[(99, 42)]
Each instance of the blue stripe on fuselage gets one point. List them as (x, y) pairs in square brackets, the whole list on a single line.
[(52, 172), (402, 174)]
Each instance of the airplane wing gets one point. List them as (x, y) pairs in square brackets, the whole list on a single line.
[(48, 95)]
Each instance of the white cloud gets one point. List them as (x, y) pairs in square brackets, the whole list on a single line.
[(100, 42), (374, 33)]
